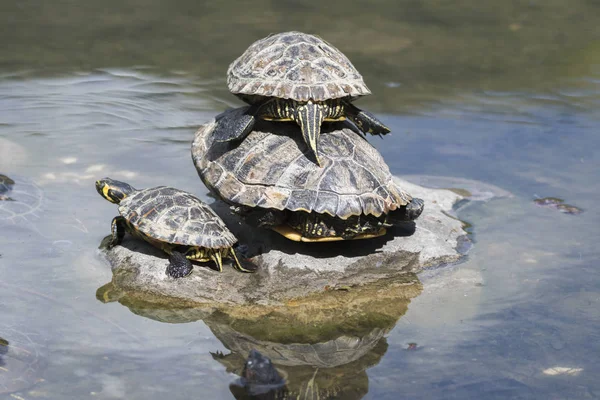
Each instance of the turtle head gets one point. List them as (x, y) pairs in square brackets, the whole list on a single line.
[(112, 190)]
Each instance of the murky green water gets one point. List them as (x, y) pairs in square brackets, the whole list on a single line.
[(504, 93)]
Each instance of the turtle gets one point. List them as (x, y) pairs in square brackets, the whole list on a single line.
[(294, 76), (6, 185), (21, 200), (172, 220), (267, 179), (21, 361)]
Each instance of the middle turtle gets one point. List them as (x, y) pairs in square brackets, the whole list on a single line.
[(293, 76), (268, 179)]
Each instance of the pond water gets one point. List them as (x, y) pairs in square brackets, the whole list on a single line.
[(502, 93)]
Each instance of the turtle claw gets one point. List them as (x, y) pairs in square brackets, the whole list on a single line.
[(179, 265)]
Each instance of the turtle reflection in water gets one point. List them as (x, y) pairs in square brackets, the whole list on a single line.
[(172, 220), (260, 380), (20, 363), (293, 76)]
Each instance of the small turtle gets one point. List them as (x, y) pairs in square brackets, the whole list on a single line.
[(21, 200), (172, 220), (267, 178), (21, 363), (6, 185), (293, 76)]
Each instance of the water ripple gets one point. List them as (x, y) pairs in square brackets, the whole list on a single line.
[(108, 102)]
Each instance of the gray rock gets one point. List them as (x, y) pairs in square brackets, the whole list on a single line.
[(289, 270)]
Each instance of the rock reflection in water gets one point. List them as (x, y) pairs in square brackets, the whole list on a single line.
[(322, 344)]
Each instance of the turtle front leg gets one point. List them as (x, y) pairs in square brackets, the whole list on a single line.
[(365, 121), (118, 226), (234, 124), (179, 265)]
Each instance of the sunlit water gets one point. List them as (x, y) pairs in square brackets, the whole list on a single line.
[(525, 303), (525, 300)]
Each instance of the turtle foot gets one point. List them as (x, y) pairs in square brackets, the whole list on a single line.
[(179, 265)]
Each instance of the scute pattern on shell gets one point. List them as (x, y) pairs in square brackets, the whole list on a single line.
[(295, 65), (272, 171), (175, 216)]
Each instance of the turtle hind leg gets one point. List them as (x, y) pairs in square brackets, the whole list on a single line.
[(179, 265), (236, 262), (365, 121), (234, 124), (118, 226), (410, 212)]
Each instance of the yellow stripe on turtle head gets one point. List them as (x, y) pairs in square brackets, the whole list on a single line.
[(105, 190)]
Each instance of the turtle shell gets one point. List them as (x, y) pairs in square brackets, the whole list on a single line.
[(297, 66), (174, 216), (272, 171)]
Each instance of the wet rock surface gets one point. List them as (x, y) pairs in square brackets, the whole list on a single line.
[(289, 270)]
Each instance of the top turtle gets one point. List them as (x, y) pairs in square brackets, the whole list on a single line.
[(293, 76), (296, 66)]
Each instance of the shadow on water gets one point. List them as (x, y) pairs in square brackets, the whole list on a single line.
[(325, 342)]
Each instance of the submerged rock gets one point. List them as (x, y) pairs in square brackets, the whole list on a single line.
[(557, 204), (289, 270)]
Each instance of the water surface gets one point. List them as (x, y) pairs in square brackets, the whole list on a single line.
[(506, 94)]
